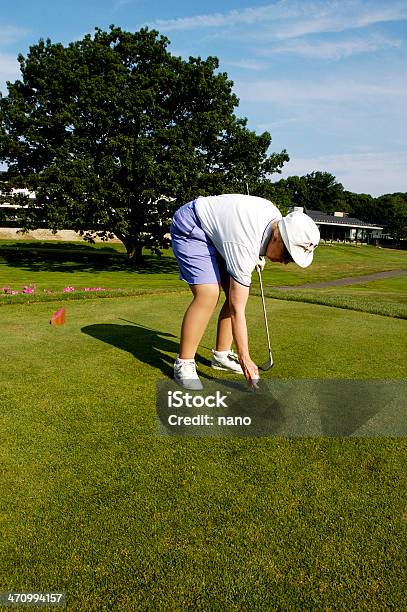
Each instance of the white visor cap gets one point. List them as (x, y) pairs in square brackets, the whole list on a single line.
[(301, 236)]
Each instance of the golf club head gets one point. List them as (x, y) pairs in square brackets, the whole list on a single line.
[(267, 365)]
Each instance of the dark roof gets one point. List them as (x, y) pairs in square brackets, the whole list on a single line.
[(320, 217)]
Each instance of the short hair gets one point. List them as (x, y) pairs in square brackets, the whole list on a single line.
[(286, 253)]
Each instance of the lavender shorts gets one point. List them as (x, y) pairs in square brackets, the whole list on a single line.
[(198, 260)]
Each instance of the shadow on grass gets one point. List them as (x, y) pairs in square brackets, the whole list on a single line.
[(81, 258), (81, 247), (147, 345)]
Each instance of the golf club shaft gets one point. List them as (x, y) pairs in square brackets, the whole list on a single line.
[(264, 311)]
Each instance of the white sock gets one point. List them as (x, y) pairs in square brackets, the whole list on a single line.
[(221, 353), (184, 360)]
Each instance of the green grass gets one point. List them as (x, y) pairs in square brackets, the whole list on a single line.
[(339, 261), (54, 266), (30, 243), (54, 269), (79, 295), (387, 290), (387, 305), (95, 504), (387, 297)]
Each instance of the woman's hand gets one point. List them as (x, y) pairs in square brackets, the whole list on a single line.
[(250, 371), (238, 295)]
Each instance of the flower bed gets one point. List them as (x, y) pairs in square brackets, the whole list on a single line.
[(32, 289)]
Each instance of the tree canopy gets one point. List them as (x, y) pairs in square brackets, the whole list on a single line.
[(314, 191), (112, 132), (321, 191)]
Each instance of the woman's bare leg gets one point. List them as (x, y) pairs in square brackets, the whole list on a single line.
[(224, 335), (197, 317)]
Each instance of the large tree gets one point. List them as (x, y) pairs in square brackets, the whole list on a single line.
[(113, 131)]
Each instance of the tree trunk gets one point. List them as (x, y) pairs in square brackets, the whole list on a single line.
[(134, 252)]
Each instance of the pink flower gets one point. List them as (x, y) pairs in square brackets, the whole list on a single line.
[(29, 288), (9, 291), (69, 289)]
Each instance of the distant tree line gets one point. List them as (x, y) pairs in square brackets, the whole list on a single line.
[(321, 191)]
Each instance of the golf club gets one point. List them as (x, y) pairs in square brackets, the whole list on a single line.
[(269, 363)]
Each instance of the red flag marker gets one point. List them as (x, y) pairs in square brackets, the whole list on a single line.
[(58, 318)]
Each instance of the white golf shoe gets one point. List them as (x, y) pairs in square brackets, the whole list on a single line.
[(226, 360), (185, 374)]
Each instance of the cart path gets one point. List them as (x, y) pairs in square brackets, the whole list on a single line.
[(351, 280)]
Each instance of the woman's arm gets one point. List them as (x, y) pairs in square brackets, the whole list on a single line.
[(238, 295)]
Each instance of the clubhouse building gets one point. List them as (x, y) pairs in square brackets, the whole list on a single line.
[(340, 227)]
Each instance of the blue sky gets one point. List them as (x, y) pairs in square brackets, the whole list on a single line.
[(328, 78)]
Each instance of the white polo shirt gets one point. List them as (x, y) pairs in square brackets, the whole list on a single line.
[(237, 224)]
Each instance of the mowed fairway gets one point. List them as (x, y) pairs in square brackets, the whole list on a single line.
[(98, 506)]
